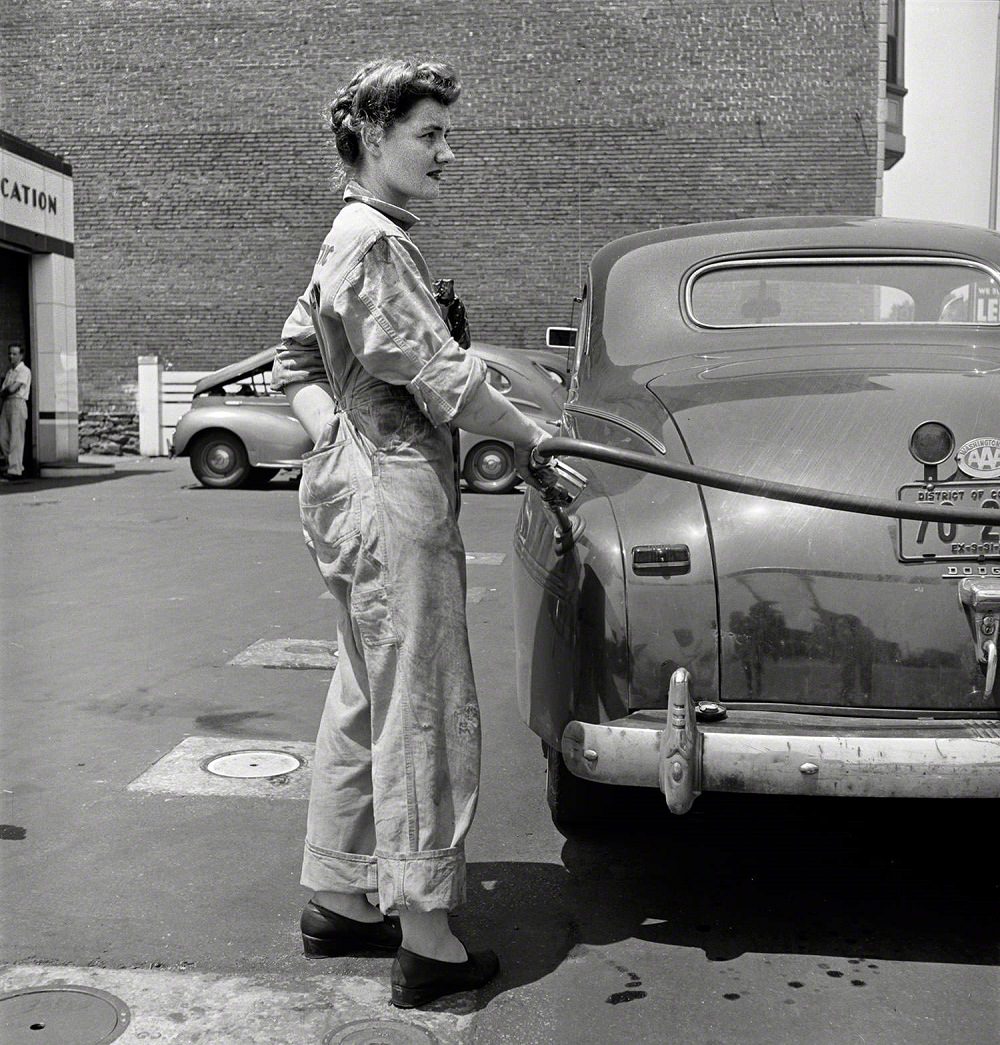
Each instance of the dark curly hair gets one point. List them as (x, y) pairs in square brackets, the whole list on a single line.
[(381, 92)]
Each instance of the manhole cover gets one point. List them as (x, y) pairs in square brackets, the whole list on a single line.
[(61, 1016), (380, 1032), (248, 764)]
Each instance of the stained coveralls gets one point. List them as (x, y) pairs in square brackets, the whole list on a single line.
[(396, 771)]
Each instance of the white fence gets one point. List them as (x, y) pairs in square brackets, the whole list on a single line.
[(164, 397)]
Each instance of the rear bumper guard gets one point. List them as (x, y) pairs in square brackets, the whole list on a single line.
[(671, 750)]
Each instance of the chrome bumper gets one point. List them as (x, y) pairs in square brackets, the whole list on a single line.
[(774, 753)]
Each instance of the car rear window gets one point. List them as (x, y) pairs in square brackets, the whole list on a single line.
[(787, 292)]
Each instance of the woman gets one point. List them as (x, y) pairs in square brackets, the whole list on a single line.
[(373, 374)]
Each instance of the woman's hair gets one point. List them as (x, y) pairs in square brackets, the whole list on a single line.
[(380, 93)]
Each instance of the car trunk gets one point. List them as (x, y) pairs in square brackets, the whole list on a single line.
[(815, 606)]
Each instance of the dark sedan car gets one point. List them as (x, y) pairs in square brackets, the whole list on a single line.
[(696, 639), (238, 431)]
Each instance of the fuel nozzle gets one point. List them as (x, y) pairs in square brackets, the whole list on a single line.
[(559, 485), (569, 529)]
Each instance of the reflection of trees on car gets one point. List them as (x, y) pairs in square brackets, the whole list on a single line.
[(759, 633), (845, 641)]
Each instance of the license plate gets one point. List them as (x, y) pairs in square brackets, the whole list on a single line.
[(921, 541)]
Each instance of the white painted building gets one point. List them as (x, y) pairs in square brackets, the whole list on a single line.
[(950, 169)]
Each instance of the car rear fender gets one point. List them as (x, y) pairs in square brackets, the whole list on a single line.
[(570, 631), (672, 610), (270, 434)]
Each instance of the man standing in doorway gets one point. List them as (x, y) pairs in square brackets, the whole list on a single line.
[(14, 414)]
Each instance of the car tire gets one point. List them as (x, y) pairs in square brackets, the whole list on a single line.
[(219, 460), (489, 468), (574, 802)]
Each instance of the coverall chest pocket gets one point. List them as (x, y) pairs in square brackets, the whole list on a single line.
[(328, 503)]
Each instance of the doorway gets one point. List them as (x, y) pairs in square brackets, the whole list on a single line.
[(15, 330)]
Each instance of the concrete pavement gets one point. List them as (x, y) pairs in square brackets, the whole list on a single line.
[(140, 612), (146, 614)]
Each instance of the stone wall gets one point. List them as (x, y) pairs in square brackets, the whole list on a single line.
[(202, 166), (109, 429)]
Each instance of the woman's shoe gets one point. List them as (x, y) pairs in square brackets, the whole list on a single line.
[(326, 934), (417, 980)]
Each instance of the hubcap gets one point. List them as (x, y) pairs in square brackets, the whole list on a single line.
[(220, 459), (492, 465)]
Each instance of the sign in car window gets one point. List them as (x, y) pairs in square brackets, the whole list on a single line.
[(973, 303), (843, 291)]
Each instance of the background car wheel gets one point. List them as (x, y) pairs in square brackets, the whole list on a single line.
[(574, 802), (489, 468), (219, 459)]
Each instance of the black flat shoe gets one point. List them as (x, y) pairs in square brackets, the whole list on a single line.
[(417, 980), (326, 934)]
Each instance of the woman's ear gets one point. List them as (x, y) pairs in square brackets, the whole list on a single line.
[(371, 138)]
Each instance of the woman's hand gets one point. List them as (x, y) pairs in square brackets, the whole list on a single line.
[(313, 405), (526, 461), (538, 472), (489, 413)]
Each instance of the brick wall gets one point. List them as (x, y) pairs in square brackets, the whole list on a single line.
[(202, 169)]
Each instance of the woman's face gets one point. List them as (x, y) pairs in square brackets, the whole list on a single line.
[(408, 162)]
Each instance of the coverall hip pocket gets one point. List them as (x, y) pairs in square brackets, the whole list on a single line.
[(328, 498), (392, 423)]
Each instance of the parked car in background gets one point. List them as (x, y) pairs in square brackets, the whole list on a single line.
[(554, 363), (488, 463), (239, 432), (695, 639)]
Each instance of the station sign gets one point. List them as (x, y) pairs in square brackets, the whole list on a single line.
[(35, 198)]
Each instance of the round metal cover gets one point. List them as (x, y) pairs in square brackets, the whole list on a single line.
[(251, 764), (64, 1015), (380, 1032), (709, 711)]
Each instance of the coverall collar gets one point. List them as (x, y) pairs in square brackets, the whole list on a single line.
[(403, 218)]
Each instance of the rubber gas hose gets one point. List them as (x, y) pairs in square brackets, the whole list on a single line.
[(748, 484)]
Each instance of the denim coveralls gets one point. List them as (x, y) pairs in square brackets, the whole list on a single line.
[(396, 770)]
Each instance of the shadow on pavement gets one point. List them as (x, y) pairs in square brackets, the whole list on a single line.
[(37, 484), (467, 491), (223, 491), (869, 880), (291, 482)]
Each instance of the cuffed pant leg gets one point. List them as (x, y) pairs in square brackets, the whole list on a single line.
[(429, 881), (340, 833)]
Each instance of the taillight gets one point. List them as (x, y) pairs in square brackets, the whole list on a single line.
[(932, 443)]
